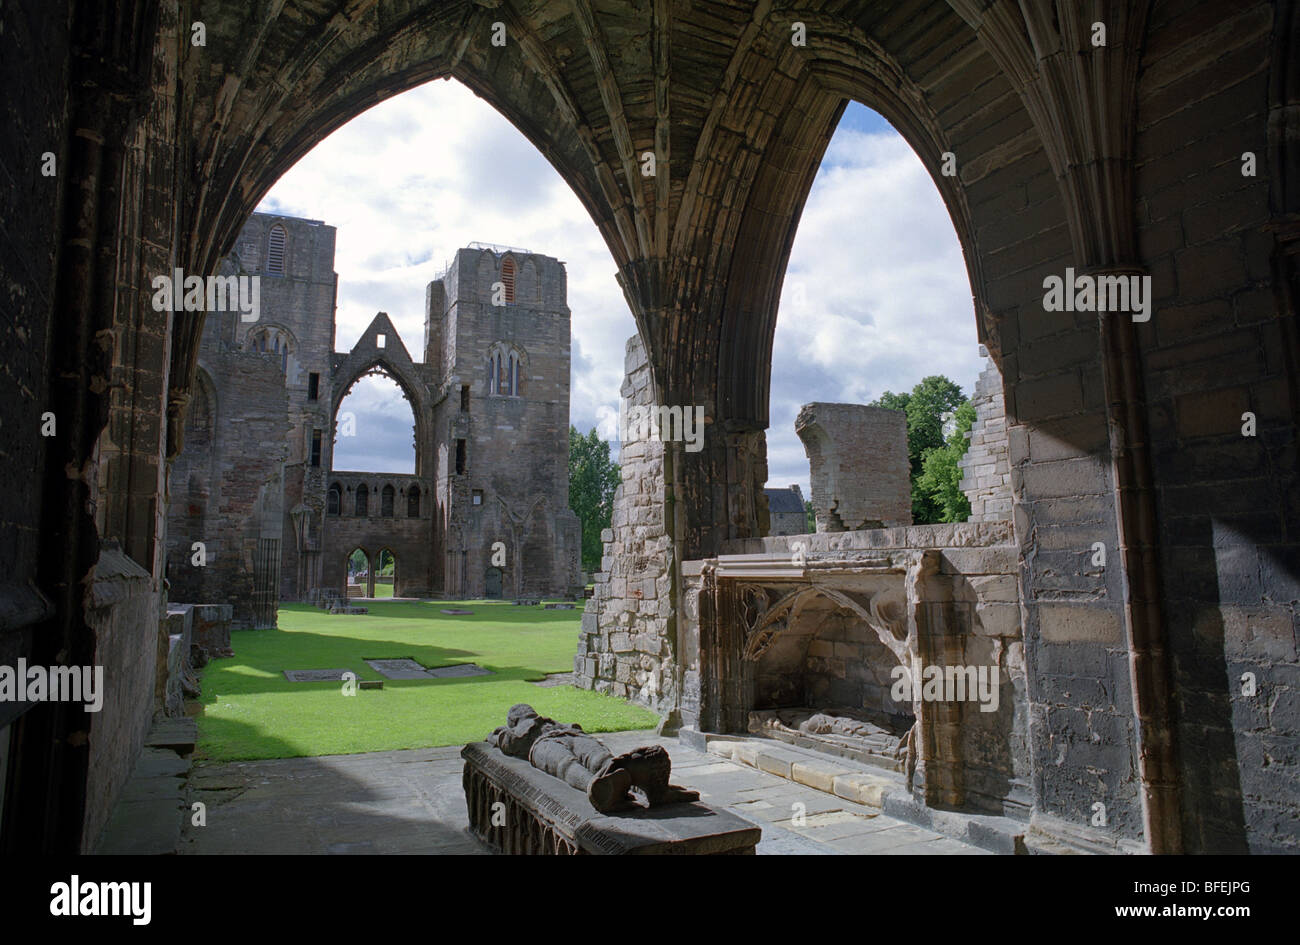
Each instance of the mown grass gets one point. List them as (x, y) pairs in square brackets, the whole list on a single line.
[(251, 711)]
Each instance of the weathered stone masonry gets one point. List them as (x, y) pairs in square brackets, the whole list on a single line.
[(256, 484), (627, 645), (1125, 158), (986, 476)]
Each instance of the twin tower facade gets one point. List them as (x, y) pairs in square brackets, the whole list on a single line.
[(257, 511)]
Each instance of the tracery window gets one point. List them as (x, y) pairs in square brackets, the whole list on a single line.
[(505, 371), (272, 341)]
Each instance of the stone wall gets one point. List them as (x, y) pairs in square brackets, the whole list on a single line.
[(121, 600), (410, 539), (1221, 248), (211, 630), (986, 475), (859, 466), (27, 264), (626, 646), (226, 488)]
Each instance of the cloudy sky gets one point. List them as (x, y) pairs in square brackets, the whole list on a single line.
[(875, 298)]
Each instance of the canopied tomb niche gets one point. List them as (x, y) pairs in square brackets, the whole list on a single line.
[(820, 663)]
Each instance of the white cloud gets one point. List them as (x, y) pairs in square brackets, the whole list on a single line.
[(875, 296), (885, 295), (384, 424)]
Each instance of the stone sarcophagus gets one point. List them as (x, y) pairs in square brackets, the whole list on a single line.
[(541, 786), (519, 809)]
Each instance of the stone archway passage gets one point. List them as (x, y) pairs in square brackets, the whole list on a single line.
[(358, 574), (386, 573)]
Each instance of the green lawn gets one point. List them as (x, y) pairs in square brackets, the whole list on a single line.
[(251, 711)]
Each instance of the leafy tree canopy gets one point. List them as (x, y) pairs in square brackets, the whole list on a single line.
[(593, 477), (926, 407)]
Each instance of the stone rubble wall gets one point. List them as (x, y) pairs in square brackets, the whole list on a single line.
[(625, 646), (985, 471), (860, 474)]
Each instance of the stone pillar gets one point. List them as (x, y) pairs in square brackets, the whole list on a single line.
[(628, 639)]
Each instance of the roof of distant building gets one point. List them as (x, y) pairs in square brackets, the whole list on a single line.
[(288, 216), (789, 499)]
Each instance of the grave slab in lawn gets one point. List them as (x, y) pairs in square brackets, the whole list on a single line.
[(459, 670), (457, 613), (314, 675), (403, 668)]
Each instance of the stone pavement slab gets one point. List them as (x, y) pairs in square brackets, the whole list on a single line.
[(459, 671), (413, 802), (314, 675), (403, 668)]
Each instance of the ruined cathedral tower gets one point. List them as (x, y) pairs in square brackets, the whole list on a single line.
[(496, 333), (486, 511)]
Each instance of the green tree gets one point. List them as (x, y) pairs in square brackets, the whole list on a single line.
[(812, 516), (925, 406), (593, 477), (940, 476), (357, 561)]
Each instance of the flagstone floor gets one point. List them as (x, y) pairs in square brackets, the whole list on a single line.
[(412, 802)]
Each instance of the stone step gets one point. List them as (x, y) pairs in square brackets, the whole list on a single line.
[(868, 785), (149, 813), (820, 772), (179, 734)]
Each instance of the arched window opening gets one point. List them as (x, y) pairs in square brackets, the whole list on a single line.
[(375, 428), (413, 502), (386, 501), (199, 423), (508, 279), (334, 501), (276, 242), (826, 284), (272, 341), (363, 501), (358, 583)]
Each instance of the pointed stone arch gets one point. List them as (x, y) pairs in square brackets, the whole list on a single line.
[(394, 362)]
